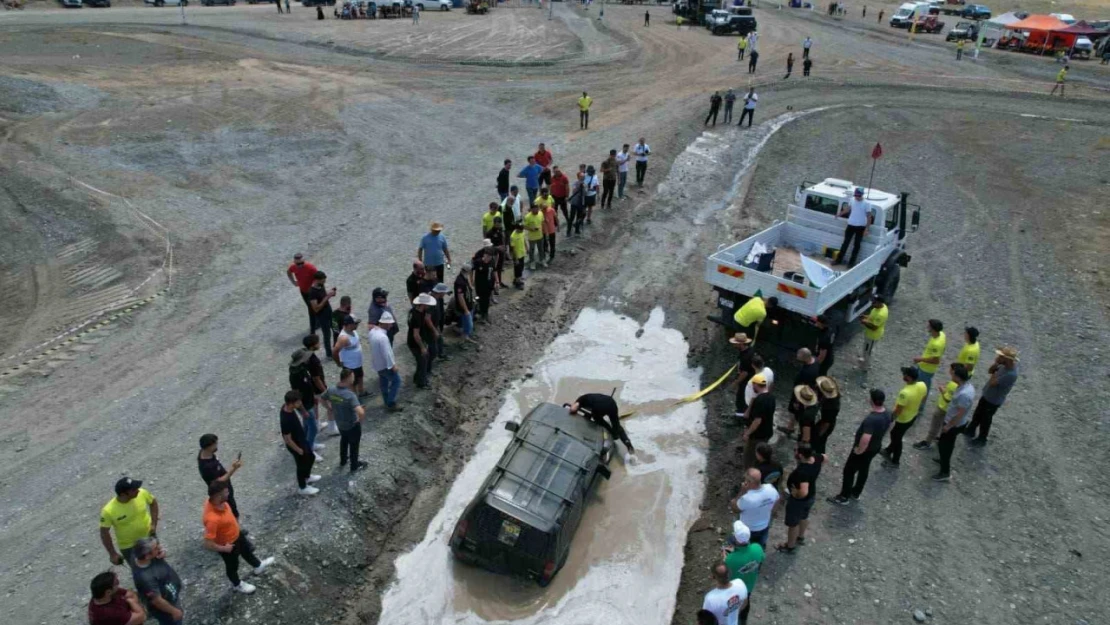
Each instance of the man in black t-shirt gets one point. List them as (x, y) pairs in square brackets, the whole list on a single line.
[(868, 442), (759, 419), (744, 370), (418, 319), (597, 406), (319, 297), (211, 470), (824, 352), (802, 487), (829, 393), (157, 583), (810, 369)]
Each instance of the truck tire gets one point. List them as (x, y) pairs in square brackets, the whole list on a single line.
[(892, 280)]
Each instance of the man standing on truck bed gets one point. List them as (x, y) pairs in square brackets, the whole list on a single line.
[(859, 218), (595, 406)]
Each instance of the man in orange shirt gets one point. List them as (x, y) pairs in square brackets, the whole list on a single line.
[(544, 159), (222, 535)]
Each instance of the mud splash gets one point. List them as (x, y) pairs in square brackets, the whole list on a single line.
[(626, 558)]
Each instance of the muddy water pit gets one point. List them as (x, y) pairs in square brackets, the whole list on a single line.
[(626, 557)]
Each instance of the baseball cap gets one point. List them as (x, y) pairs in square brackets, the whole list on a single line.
[(386, 318), (441, 288), (858, 191), (741, 535), (380, 292), (350, 320), (125, 484), (759, 380)]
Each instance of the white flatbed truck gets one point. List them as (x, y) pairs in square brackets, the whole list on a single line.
[(792, 260)]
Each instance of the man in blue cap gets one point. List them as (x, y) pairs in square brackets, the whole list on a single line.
[(859, 218)]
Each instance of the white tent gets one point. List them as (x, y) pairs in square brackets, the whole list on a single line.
[(994, 27)]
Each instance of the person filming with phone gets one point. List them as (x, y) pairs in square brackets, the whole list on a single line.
[(212, 470)]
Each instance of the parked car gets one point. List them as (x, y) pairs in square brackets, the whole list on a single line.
[(963, 30), (71, 4), (442, 5), (739, 24), (209, 3), (524, 516), (162, 3), (928, 24), (976, 12), (909, 12), (952, 7), (1066, 18), (1083, 48), (104, 4)]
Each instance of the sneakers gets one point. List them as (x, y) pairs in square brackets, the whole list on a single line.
[(318, 446), (922, 445), (319, 458), (395, 408), (312, 479), (244, 588), (942, 477), (263, 565), (357, 467), (839, 500), (308, 491)]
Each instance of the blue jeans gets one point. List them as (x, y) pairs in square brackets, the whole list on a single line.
[(390, 383), (927, 378), (760, 536), (466, 324), (532, 195), (622, 178), (310, 428)]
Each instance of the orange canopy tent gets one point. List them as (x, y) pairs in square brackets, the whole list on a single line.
[(1044, 32)]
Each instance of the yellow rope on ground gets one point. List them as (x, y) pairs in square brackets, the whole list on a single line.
[(708, 389)]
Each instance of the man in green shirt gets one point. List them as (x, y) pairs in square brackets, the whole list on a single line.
[(533, 227), (874, 325), (929, 360), (743, 562), (906, 407)]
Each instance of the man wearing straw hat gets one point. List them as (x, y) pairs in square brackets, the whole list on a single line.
[(743, 369), (433, 250), (1004, 374), (829, 394), (803, 406), (418, 318), (759, 417)]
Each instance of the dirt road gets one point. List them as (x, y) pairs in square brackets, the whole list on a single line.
[(243, 138)]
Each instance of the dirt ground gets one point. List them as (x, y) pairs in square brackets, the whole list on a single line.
[(182, 167)]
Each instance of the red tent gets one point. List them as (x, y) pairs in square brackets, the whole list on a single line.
[(1085, 29), (1045, 23), (1045, 32)]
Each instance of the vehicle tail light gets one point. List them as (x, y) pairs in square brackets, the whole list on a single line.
[(460, 530), (548, 570)]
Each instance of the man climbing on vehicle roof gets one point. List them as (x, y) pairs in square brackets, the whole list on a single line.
[(595, 406)]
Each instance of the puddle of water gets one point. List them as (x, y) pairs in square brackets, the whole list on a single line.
[(626, 557)]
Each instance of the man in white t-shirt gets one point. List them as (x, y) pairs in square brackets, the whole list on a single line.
[(642, 150), (760, 369), (622, 171), (755, 504), (750, 101), (859, 216), (727, 598)]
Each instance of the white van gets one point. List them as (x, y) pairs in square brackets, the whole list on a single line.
[(908, 13)]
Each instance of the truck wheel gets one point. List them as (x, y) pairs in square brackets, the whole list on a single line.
[(892, 281)]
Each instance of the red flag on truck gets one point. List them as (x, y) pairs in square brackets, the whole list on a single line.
[(877, 152)]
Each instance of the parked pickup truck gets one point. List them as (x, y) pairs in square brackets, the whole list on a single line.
[(963, 30), (792, 260), (928, 24)]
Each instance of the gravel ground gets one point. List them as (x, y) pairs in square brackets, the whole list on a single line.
[(247, 145)]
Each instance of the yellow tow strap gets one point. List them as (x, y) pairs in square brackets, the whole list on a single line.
[(705, 391)]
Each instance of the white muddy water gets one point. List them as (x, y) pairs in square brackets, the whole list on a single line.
[(626, 558)]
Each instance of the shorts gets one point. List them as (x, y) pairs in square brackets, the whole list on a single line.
[(358, 374), (591, 200), (797, 510)]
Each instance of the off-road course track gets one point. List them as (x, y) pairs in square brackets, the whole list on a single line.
[(156, 179)]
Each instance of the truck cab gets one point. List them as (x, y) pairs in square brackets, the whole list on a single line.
[(792, 260), (908, 12)]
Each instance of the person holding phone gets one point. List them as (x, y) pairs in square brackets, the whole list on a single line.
[(212, 470)]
